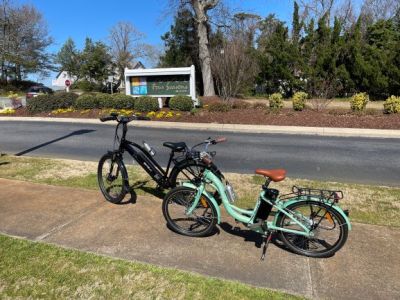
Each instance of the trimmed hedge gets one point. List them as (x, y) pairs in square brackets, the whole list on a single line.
[(145, 104), (87, 101), (121, 101), (104, 100), (46, 103), (392, 105), (181, 103)]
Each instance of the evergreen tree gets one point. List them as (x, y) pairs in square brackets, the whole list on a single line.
[(69, 58), (181, 44), (96, 62)]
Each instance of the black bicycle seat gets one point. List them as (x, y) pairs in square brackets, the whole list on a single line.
[(175, 146)]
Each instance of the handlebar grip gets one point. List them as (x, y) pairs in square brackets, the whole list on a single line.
[(220, 140), (108, 118)]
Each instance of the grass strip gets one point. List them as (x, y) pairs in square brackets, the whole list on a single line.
[(37, 270), (368, 204)]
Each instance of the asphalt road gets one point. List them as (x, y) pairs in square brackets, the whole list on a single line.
[(342, 159)]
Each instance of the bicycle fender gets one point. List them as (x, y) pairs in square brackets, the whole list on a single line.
[(209, 196), (335, 207)]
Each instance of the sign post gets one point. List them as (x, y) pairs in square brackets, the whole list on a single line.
[(67, 84)]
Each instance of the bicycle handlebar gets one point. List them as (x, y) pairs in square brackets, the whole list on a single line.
[(123, 119)]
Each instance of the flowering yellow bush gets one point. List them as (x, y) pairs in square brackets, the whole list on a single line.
[(151, 114), (7, 111), (12, 95), (392, 105), (62, 111), (359, 102)]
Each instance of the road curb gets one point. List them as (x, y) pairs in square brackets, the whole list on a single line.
[(296, 130)]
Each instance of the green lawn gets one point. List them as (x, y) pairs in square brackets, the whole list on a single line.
[(367, 203), (37, 270)]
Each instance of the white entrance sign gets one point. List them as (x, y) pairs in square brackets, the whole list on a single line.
[(161, 82)]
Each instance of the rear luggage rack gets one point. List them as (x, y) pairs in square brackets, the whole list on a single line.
[(321, 193)]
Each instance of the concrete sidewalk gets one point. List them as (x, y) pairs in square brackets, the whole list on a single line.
[(298, 130), (368, 266)]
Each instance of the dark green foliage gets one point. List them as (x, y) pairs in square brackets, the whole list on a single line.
[(182, 45), (46, 103), (145, 104), (219, 107), (16, 86), (328, 61), (64, 99), (87, 86), (123, 101), (87, 101), (181, 103)]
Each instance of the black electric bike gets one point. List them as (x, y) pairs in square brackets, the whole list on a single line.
[(112, 174)]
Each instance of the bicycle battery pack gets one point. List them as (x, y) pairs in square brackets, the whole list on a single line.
[(264, 209)]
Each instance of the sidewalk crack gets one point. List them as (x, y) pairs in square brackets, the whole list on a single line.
[(62, 226), (311, 290)]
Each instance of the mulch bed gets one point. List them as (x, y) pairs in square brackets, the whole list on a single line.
[(286, 117)]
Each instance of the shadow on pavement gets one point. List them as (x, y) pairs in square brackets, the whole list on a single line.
[(77, 132)]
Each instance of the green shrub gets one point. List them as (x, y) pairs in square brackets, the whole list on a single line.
[(392, 105), (181, 103), (45, 103), (359, 102), (240, 104), (122, 101), (299, 101), (64, 99), (276, 101), (105, 100), (219, 107), (87, 101), (145, 103), (39, 103)]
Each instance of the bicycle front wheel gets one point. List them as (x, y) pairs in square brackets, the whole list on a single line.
[(201, 222), (328, 226), (112, 178)]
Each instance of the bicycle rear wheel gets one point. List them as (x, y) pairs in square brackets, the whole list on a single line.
[(112, 178), (201, 222), (328, 225)]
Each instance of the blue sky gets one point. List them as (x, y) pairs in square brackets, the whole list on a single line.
[(78, 19)]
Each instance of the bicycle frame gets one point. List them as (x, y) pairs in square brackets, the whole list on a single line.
[(144, 159), (247, 217)]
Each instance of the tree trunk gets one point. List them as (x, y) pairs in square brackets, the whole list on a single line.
[(200, 8)]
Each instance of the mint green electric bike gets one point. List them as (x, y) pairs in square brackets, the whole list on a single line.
[(308, 221)]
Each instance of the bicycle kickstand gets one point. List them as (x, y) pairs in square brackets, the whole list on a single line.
[(266, 240)]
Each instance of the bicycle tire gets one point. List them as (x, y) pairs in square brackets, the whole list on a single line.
[(303, 245), (185, 195), (103, 176)]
